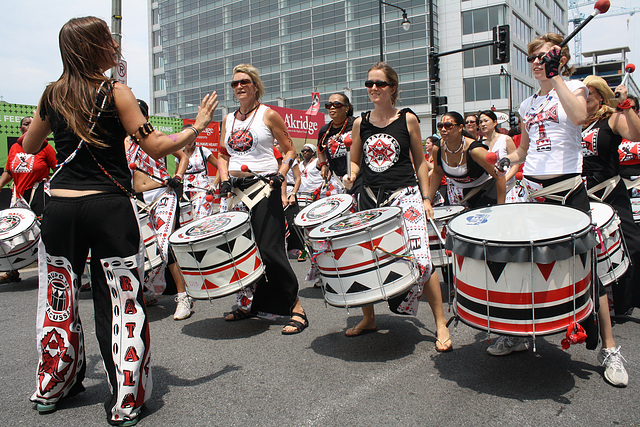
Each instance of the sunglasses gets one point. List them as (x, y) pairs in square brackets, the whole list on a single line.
[(334, 104), (470, 122), (378, 83), (446, 125), (306, 150), (243, 82), (532, 58)]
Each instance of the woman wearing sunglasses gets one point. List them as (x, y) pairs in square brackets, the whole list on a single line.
[(249, 134), (601, 136), (387, 152), (462, 161), (552, 143), (332, 152), (502, 145)]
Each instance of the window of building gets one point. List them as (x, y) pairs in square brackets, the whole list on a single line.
[(519, 61), (324, 75), (328, 15), (157, 38), (212, 44), (235, 12), (155, 16), (297, 22), (188, 27), (188, 51), (159, 83), (210, 21), (542, 20), (161, 106), (266, 57), (520, 29), (299, 50), (478, 57), (484, 88), (261, 7), (239, 36), (409, 61), (301, 78), (523, 5), (212, 69), (521, 91), (557, 30), (158, 60), (185, 6), (365, 37), (479, 20), (329, 44), (558, 12), (265, 30)]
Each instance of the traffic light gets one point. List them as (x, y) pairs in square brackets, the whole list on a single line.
[(513, 119), (501, 45), (440, 105), (435, 69)]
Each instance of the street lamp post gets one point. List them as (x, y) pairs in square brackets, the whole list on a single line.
[(406, 24)]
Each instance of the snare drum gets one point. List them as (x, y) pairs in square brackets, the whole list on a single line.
[(217, 255), (19, 236), (186, 213), (635, 207), (441, 215), (323, 210), (610, 252), (522, 269), (304, 199), (152, 254), (364, 257)]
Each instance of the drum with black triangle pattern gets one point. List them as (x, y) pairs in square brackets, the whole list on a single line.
[(611, 252), (19, 237)]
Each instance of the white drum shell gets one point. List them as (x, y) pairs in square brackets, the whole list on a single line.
[(353, 274), (219, 264), (441, 215), (635, 207), (186, 213), (19, 237), (612, 259), (323, 210), (304, 199)]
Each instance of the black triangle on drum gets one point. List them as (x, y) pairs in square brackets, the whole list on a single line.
[(496, 269), (248, 235), (392, 277), (357, 287), (18, 259), (228, 246), (613, 266), (198, 255), (583, 257), (329, 289)]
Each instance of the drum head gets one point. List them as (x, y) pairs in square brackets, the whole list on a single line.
[(354, 222), (601, 213), (519, 222), (444, 212), (15, 221), (209, 226), (324, 210)]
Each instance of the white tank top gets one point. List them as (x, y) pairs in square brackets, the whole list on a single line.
[(554, 141), (250, 142)]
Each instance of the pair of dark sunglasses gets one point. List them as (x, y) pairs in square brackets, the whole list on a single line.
[(334, 104), (378, 83), (531, 58), (306, 150), (471, 122), (243, 82), (446, 125)]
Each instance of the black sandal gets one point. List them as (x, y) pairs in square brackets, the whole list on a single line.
[(296, 324), (239, 314)]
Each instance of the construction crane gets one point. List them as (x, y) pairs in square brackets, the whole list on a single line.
[(577, 17)]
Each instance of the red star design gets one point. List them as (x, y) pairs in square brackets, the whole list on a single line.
[(380, 152)]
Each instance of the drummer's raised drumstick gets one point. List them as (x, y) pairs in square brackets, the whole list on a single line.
[(347, 143), (630, 68), (135, 167)]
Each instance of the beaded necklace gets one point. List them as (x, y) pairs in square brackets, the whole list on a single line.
[(446, 149), (322, 146), (535, 110)]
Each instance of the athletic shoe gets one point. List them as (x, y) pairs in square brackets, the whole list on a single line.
[(505, 345), (614, 371), (150, 297), (183, 308)]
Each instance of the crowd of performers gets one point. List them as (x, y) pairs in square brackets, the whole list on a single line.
[(110, 163)]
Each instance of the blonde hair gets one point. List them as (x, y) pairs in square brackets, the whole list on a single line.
[(553, 39), (252, 72)]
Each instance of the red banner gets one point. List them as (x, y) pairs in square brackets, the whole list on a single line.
[(315, 104)]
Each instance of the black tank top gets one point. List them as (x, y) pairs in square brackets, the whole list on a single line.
[(600, 149)]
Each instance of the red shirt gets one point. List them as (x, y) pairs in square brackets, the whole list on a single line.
[(27, 169)]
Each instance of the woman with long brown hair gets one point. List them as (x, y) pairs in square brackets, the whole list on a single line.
[(92, 208)]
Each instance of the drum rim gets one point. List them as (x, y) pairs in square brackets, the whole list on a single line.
[(208, 236), (323, 220), (28, 213), (345, 233)]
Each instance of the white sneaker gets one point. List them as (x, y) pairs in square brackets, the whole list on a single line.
[(150, 297), (183, 308), (614, 371), (505, 345)]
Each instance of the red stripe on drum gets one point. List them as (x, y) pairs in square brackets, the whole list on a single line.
[(359, 266), (230, 264), (541, 327), (607, 251), (523, 298)]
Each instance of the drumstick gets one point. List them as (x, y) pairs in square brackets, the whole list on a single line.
[(519, 176), (347, 143), (628, 70), (245, 168), (135, 167), (433, 224), (601, 6), (491, 157)]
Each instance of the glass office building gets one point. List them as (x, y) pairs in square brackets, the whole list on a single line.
[(300, 46)]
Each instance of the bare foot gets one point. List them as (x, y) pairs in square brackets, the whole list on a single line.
[(364, 327)]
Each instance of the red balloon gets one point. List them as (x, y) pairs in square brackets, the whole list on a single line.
[(602, 5), (244, 168), (491, 158)]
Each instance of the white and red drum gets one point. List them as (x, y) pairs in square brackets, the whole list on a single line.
[(364, 257), (19, 237), (611, 255), (152, 253), (186, 213), (635, 207), (522, 269), (304, 199), (217, 255), (441, 215), (323, 210)]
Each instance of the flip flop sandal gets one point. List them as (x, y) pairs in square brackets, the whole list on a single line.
[(239, 314)]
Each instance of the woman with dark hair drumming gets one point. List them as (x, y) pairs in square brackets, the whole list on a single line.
[(92, 208)]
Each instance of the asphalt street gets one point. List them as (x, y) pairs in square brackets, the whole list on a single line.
[(210, 372)]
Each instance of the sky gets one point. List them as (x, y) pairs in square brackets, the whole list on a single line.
[(31, 58), (29, 44)]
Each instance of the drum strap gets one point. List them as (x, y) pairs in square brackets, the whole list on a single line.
[(260, 189), (386, 201), (148, 207), (608, 186), (551, 191), (631, 183)]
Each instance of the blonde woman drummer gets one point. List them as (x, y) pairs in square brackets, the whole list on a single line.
[(249, 135), (391, 179)]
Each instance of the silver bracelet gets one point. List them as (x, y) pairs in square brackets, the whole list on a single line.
[(193, 128)]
